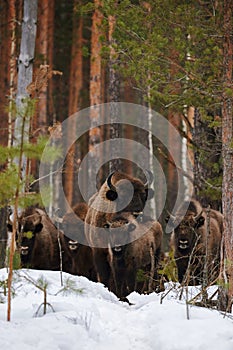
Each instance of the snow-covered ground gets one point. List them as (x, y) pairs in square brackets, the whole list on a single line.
[(92, 318)]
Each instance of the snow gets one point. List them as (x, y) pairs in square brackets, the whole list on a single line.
[(95, 319)]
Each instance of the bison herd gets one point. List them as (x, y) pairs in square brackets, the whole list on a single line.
[(112, 240)]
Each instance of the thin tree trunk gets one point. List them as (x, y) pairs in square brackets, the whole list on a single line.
[(50, 101), (43, 59), (175, 146), (96, 98), (42, 47), (5, 49), (3, 235), (227, 149), (22, 123), (12, 21), (75, 102), (114, 96), (10, 78), (128, 130), (151, 153), (25, 69)]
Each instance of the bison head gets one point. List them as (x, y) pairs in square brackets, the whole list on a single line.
[(121, 187), (30, 224), (187, 233), (72, 225), (119, 194), (122, 229)]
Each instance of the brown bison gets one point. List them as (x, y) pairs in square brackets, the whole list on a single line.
[(196, 242), (40, 243), (134, 265), (81, 254), (119, 193)]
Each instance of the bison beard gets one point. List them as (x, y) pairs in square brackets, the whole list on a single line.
[(140, 256), (196, 242)]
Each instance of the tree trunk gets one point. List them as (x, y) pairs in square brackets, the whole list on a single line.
[(22, 123), (3, 235), (42, 49), (50, 100), (175, 145), (114, 96), (96, 98), (6, 16), (8, 50), (61, 58), (25, 68), (75, 100), (227, 149), (12, 21)]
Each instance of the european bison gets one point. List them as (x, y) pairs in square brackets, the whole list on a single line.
[(196, 242), (38, 241), (134, 265), (119, 193), (81, 254)]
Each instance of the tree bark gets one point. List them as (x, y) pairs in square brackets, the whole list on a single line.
[(8, 50), (22, 123), (75, 99), (227, 149), (25, 68), (6, 16), (96, 97), (12, 21), (113, 95), (42, 49)]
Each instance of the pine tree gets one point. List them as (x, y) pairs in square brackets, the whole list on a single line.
[(75, 99), (96, 98), (227, 150)]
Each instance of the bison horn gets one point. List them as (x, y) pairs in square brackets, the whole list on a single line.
[(170, 216), (109, 182), (56, 218), (198, 216), (150, 178)]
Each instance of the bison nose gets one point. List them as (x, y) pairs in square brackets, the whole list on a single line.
[(107, 225), (117, 249), (183, 243), (73, 245), (118, 252), (24, 250)]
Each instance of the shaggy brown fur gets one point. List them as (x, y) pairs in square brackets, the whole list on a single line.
[(193, 248), (139, 257), (81, 253), (102, 206), (38, 241)]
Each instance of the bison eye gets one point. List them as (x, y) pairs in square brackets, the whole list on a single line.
[(106, 225)]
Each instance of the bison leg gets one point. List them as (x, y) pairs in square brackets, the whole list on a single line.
[(182, 264), (102, 266)]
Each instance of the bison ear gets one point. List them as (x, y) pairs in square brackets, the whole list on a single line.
[(38, 227), (200, 221), (111, 195), (150, 193)]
